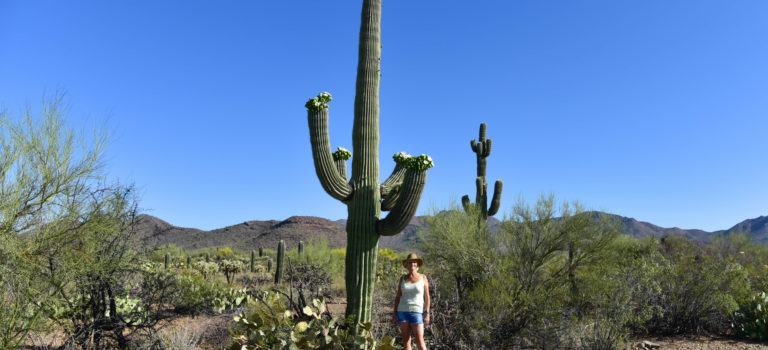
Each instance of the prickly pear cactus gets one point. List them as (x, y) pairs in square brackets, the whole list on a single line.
[(482, 147), (364, 196)]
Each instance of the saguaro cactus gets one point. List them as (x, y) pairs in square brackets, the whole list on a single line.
[(269, 265), (189, 262), (253, 261), (483, 149), (301, 247), (364, 196), (167, 260), (280, 257), (261, 251), (207, 257)]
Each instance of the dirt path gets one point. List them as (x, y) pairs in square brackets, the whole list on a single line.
[(697, 343)]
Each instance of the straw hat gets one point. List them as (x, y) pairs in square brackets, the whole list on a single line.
[(412, 257)]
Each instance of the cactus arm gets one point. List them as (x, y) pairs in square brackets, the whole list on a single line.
[(326, 169), (403, 210), (409, 195), (390, 200), (341, 167), (487, 148), (479, 146), (340, 160), (473, 144), (496, 201), (465, 203), (396, 178)]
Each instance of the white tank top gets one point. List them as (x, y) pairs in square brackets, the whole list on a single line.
[(412, 297)]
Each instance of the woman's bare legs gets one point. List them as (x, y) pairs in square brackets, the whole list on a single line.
[(418, 334), (405, 329)]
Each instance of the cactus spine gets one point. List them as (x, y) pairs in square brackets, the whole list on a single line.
[(167, 260), (253, 261), (280, 257), (483, 149), (364, 196)]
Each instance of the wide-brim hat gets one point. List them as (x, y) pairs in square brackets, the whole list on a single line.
[(412, 257)]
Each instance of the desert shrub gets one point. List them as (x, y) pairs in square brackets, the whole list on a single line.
[(751, 320), (271, 324), (697, 291), (305, 282), (524, 285), (198, 295)]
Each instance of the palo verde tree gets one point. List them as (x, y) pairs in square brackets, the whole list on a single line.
[(364, 196), (483, 149)]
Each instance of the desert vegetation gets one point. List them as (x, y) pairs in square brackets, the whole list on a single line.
[(76, 276)]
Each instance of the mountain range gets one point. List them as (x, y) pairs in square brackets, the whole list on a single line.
[(251, 235)]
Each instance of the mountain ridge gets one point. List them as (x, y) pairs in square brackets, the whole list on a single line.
[(250, 235)]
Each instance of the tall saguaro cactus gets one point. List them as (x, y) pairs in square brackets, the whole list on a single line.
[(364, 196), (280, 257), (482, 147)]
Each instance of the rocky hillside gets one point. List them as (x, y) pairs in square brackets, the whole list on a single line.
[(251, 235)]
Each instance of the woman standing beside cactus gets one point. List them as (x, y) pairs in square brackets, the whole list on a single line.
[(411, 312)]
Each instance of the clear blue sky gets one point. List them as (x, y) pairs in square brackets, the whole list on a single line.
[(656, 110)]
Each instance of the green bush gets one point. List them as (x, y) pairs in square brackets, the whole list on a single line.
[(270, 324), (198, 295), (752, 318), (698, 291)]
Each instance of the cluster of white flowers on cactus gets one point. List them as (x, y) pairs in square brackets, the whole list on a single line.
[(319, 103), (422, 162), (401, 157), (342, 153)]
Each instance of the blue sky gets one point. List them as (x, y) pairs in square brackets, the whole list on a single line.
[(655, 110)]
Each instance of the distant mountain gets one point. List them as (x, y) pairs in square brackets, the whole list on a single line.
[(247, 236), (757, 228), (251, 235)]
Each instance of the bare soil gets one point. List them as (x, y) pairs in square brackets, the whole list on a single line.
[(698, 343)]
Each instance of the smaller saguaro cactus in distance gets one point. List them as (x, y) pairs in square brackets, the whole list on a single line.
[(301, 247), (482, 147), (253, 261), (189, 262), (280, 257), (269, 265), (207, 257), (167, 261), (261, 251)]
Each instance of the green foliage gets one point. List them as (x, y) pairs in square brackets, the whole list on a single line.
[(270, 324), (524, 281), (752, 318), (200, 295), (230, 268), (207, 269), (48, 175)]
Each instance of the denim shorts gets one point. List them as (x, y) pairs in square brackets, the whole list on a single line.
[(410, 317)]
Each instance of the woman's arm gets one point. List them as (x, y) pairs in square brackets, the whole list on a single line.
[(397, 301), (426, 301)]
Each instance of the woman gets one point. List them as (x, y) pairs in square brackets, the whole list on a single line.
[(411, 311)]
